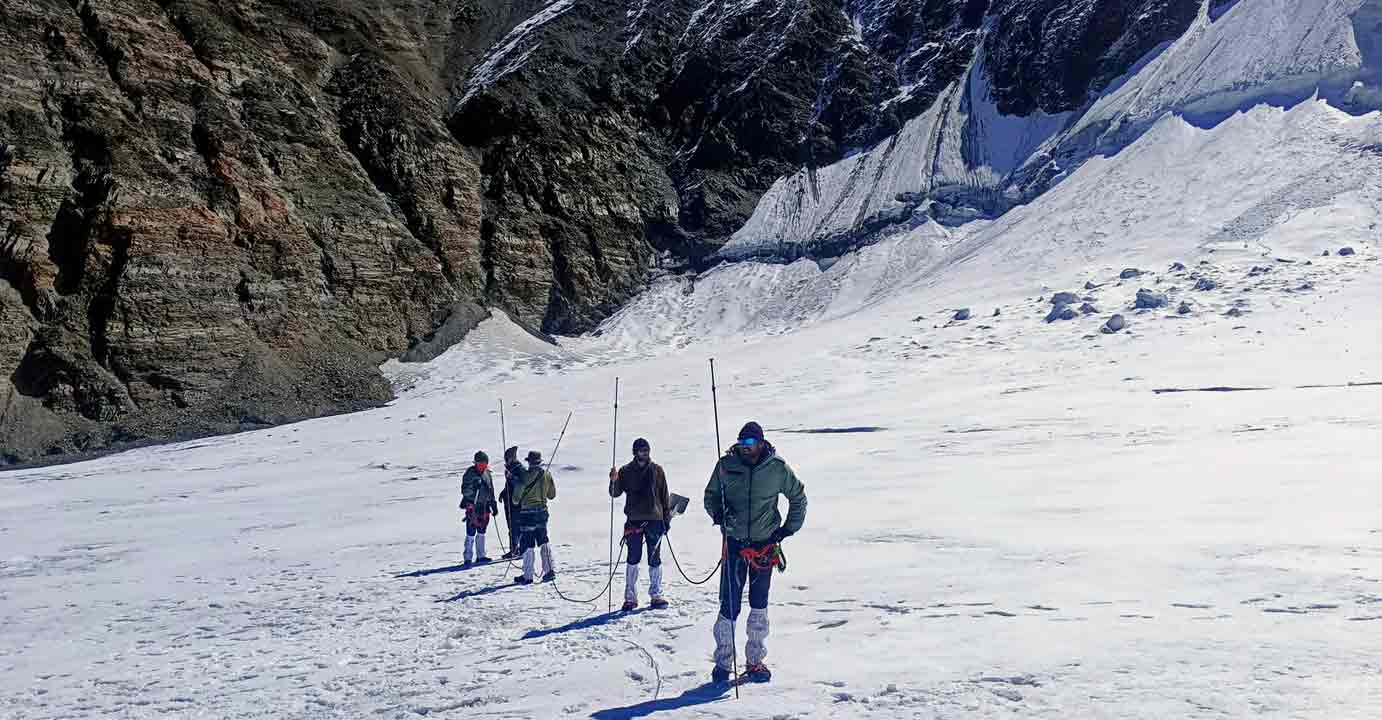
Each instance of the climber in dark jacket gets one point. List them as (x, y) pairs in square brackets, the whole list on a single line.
[(647, 513), (477, 499), (513, 470)]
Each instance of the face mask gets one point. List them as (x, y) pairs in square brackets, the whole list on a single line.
[(482, 466)]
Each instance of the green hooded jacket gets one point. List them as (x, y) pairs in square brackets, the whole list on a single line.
[(750, 497), (478, 488)]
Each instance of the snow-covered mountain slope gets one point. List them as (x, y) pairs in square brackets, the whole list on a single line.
[(1178, 193), (1009, 517), (963, 158), (1021, 521)]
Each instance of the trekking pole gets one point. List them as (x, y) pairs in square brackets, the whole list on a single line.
[(726, 579), (504, 448), (613, 459), (559, 437)]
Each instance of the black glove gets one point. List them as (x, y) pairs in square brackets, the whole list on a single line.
[(779, 535)]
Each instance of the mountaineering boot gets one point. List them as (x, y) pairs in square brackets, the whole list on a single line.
[(522, 580), (527, 567), (756, 673), (549, 569), (630, 587), (469, 549), (756, 649), (629, 605), (724, 644), (719, 675), (480, 550), (655, 587)]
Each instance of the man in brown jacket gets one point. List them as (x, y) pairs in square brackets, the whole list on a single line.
[(648, 509)]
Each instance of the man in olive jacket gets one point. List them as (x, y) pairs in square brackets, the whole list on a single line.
[(648, 509), (534, 488), (477, 499), (741, 498)]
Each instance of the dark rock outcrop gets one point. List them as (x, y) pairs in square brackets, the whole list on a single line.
[(217, 216)]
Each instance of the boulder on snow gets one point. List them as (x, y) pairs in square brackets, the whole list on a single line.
[(1234, 312), (1258, 270), (1061, 312), (1114, 324), (1204, 284), (1148, 300), (1089, 285), (1064, 298), (1087, 309), (996, 311), (962, 314), (1345, 252), (1129, 273), (1184, 309), (1324, 254), (1177, 267)]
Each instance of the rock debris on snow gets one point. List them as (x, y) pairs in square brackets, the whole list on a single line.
[(1345, 251), (1205, 284), (1114, 324), (1130, 273), (1149, 300), (962, 315)]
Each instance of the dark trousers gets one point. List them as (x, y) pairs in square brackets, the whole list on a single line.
[(635, 534), (738, 575), (532, 528), (511, 514)]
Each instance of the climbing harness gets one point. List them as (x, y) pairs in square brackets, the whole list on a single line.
[(768, 557)]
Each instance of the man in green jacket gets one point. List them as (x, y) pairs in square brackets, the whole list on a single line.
[(477, 499), (534, 488), (648, 509), (741, 498)]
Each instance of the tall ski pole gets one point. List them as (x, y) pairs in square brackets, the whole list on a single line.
[(504, 448), (559, 437), (726, 579), (613, 461)]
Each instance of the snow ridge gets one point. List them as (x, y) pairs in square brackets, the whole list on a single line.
[(963, 160), (500, 60)]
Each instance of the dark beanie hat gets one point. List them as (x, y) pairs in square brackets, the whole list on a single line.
[(534, 456), (480, 456), (511, 453), (751, 429), (641, 444)]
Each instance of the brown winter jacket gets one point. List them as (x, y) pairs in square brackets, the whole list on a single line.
[(645, 490)]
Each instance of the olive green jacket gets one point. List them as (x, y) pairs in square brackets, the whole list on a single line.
[(534, 488), (748, 510)]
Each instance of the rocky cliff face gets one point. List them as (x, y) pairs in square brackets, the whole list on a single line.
[(220, 215)]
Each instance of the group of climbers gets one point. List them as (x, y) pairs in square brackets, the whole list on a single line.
[(525, 495), (741, 498)]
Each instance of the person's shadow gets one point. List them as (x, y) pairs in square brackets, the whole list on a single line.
[(701, 695), (583, 623)]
